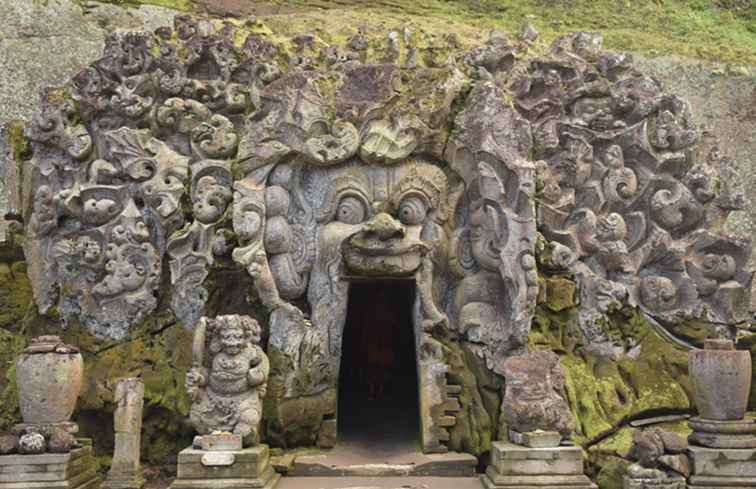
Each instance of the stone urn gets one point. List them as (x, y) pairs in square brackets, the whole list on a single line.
[(49, 377), (721, 378)]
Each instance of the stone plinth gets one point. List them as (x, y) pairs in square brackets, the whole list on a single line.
[(722, 468), (248, 468), (723, 434), (73, 470), (513, 466), (668, 483)]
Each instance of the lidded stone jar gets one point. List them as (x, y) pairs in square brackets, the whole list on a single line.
[(49, 377), (721, 378)]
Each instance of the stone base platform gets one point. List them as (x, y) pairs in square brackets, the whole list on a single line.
[(722, 468), (248, 468), (723, 434), (74, 470), (518, 467), (669, 483), (125, 481), (339, 462)]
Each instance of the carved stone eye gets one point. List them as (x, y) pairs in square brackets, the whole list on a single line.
[(412, 211), (351, 211)]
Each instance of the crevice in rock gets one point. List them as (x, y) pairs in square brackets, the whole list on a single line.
[(649, 413)]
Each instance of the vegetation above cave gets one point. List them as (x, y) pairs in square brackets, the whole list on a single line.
[(710, 30)]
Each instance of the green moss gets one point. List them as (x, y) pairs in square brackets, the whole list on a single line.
[(15, 295), (604, 392), (11, 345), (693, 28), (18, 142), (475, 427), (181, 5)]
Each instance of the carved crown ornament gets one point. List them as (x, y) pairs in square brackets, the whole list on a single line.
[(307, 163)]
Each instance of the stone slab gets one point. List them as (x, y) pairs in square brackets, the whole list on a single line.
[(227, 483), (73, 470), (737, 427), (380, 483), (219, 442), (492, 480), (721, 482), (536, 439), (723, 463), (510, 459), (668, 483), (450, 464), (124, 483)]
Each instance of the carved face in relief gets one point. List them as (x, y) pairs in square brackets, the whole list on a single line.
[(483, 237), (232, 339), (658, 293), (210, 199), (596, 113), (384, 216)]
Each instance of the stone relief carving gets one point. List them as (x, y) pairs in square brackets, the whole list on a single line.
[(313, 169), (627, 198), (229, 379)]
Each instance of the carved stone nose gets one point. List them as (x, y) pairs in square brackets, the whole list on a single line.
[(386, 227)]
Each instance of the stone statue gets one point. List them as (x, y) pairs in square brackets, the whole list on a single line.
[(534, 398), (660, 461), (228, 380)]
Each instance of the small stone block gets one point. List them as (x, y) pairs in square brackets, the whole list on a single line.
[(328, 434), (218, 459), (668, 483), (220, 442), (723, 464), (509, 460), (493, 480), (536, 439)]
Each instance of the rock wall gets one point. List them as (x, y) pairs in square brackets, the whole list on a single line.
[(605, 395)]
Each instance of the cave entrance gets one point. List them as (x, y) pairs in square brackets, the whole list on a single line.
[(378, 383)]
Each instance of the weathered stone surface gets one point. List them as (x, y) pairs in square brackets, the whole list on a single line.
[(721, 378), (125, 469), (73, 470), (8, 444), (32, 444), (49, 375), (248, 468), (163, 395), (723, 464), (229, 378), (534, 397), (516, 466)]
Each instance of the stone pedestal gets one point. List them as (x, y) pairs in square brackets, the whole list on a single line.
[(722, 468), (668, 483), (248, 468), (517, 467), (125, 470), (73, 470)]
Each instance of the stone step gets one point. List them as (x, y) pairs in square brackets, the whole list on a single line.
[(447, 465), (379, 483)]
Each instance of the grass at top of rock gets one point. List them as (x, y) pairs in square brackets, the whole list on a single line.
[(693, 28), (711, 30)]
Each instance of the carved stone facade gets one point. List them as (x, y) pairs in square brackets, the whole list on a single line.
[(312, 166)]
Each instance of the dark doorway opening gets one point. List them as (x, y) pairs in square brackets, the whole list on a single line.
[(378, 385)]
